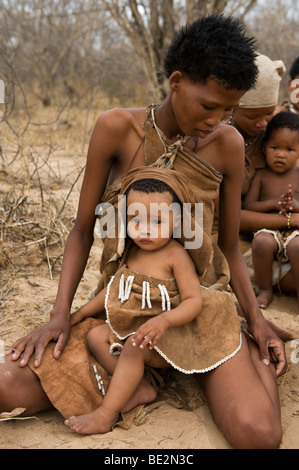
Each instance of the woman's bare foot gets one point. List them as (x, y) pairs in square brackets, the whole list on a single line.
[(264, 298), (98, 421)]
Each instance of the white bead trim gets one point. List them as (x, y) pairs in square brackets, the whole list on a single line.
[(165, 298), (99, 380), (200, 371), (146, 295), (125, 289), (115, 352)]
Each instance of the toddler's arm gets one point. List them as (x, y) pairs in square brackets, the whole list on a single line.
[(91, 309), (252, 199)]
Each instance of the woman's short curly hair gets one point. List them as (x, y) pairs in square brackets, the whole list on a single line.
[(214, 47)]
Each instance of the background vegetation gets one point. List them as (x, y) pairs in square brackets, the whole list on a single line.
[(65, 61)]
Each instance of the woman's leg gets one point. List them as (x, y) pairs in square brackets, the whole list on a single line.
[(243, 399), (20, 388)]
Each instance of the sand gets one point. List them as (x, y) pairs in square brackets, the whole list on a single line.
[(165, 427)]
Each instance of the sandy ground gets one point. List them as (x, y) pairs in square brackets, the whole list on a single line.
[(27, 297), (165, 427)]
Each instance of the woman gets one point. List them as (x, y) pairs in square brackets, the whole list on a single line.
[(209, 65)]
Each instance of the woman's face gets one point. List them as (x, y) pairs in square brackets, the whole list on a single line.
[(199, 108), (251, 122)]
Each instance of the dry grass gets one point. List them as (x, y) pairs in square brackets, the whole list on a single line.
[(40, 177)]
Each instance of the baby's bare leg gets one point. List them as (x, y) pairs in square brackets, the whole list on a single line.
[(99, 345), (264, 248), (126, 379)]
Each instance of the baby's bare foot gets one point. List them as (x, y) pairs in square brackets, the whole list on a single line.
[(264, 298), (98, 421)]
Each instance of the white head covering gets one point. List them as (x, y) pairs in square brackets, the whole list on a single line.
[(265, 92)]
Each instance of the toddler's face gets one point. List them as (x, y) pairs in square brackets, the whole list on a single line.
[(150, 219), (282, 150)]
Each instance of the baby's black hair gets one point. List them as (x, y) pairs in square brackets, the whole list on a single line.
[(282, 120), (294, 70), (151, 185), (214, 47)]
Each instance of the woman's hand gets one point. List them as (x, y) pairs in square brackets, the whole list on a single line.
[(271, 347), (58, 329), (150, 332)]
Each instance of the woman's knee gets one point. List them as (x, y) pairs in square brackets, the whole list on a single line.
[(20, 387), (256, 432), (244, 406), (6, 383)]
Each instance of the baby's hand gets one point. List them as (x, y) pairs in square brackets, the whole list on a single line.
[(287, 202), (150, 332)]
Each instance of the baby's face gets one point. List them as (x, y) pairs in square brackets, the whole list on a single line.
[(150, 219), (282, 150)]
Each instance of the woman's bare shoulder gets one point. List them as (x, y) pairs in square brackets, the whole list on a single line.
[(230, 137), (121, 119), (227, 149)]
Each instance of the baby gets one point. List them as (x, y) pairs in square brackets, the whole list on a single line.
[(159, 286), (276, 189)]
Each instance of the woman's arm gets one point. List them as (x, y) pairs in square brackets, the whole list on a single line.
[(252, 221), (252, 200), (229, 218), (103, 149)]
